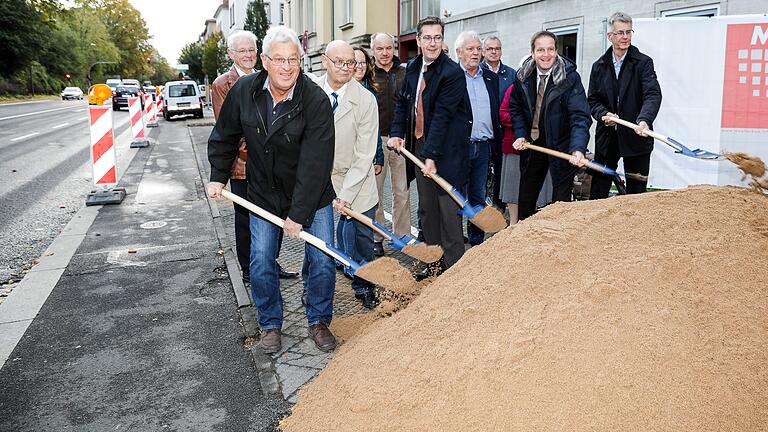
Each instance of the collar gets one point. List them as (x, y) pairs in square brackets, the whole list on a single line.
[(479, 73), (290, 92), (240, 72), (490, 68), (540, 72), (613, 57), (328, 89)]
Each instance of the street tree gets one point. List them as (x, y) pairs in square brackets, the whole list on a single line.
[(256, 21), (215, 60), (192, 55)]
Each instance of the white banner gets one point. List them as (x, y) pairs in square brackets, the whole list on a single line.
[(713, 74)]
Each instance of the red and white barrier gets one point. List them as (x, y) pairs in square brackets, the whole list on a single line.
[(137, 123), (149, 111), (103, 158), (159, 104)]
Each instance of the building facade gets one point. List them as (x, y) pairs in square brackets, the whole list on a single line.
[(230, 15)]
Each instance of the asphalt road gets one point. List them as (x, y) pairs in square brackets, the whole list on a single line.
[(45, 173)]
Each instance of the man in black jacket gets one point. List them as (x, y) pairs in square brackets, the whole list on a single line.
[(549, 108), (433, 120), (287, 122), (623, 82)]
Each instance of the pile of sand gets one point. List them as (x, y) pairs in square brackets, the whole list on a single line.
[(647, 312)]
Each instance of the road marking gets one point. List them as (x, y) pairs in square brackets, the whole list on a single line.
[(25, 136), (33, 113), (60, 126), (80, 110), (83, 118), (25, 103)]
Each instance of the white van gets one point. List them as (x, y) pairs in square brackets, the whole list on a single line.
[(182, 97)]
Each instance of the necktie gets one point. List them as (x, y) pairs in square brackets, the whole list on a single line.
[(335, 103), (537, 110), (419, 129)]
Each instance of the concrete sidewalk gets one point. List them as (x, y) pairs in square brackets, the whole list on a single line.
[(141, 332)]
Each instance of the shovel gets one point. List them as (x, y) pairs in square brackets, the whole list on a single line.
[(384, 272), (488, 219), (675, 144), (589, 164), (407, 244)]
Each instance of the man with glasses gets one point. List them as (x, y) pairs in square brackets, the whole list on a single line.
[(241, 48), (356, 119), (389, 75), (287, 123), (433, 121), (623, 82)]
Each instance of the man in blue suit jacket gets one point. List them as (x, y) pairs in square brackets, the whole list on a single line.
[(433, 121), (483, 99)]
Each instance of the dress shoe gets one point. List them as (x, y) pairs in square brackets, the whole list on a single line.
[(324, 339), (368, 298), (286, 274), (378, 249), (271, 341), (420, 236), (432, 270)]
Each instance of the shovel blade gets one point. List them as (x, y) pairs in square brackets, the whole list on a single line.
[(388, 273), (423, 252), (489, 219)]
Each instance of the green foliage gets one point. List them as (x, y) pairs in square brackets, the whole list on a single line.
[(192, 55), (215, 59), (160, 71), (257, 22), (21, 26)]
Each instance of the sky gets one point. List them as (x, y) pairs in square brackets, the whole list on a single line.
[(175, 23)]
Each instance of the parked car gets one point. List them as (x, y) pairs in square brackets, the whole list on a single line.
[(203, 95), (121, 94), (133, 82), (113, 83), (182, 97), (72, 93), (150, 90)]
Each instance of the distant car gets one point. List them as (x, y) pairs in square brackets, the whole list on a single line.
[(72, 93), (133, 82), (113, 83), (121, 95), (202, 92), (150, 90), (182, 97)]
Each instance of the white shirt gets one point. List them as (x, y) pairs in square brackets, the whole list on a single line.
[(418, 84), (240, 72), (339, 93), (539, 73)]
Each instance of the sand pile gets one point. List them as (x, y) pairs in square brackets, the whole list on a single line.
[(644, 313)]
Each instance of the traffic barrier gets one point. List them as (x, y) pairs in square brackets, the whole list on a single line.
[(103, 159), (159, 104), (149, 111), (137, 123)]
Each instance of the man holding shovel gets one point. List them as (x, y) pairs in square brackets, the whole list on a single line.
[(623, 82), (356, 120), (287, 123)]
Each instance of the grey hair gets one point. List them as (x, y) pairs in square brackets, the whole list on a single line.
[(490, 38), (375, 35), (619, 16), (240, 35), (463, 37), (281, 34)]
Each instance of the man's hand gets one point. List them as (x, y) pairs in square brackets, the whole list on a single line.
[(519, 144), (608, 119), (577, 158), (291, 228), (214, 189), (377, 169), (395, 143), (339, 204), (641, 128), (429, 168)]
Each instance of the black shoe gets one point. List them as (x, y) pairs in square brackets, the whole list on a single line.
[(378, 249), (368, 298), (420, 236), (286, 274), (433, 270), (304, 298), (466, 240), (246, 278)]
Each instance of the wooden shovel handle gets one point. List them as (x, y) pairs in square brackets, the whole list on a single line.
[(439, 180), (366, 221), (648, 132), (561, 155)]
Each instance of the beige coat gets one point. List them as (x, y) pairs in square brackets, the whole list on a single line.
[(356, 122)]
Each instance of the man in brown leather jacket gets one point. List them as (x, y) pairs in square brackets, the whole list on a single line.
[(241, 48)]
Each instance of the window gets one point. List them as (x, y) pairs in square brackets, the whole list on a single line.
[(567, 41), (268, 11), (408, 16), (347, 12), (309, 15), (709, 10), (282, 13), (184, 90), (430, 8), (231, 13)]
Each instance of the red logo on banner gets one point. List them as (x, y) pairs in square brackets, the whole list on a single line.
[(745, 88)]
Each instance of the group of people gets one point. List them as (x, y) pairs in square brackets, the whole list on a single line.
[(303, 146)]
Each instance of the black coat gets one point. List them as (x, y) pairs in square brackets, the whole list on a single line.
[(289, 168), (564, 120), (447, 117), (635, 97)]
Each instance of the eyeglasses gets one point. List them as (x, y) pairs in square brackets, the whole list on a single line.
[(339, 63), (360, 65), (293, 61), (492, 49), (429, 39), (622, 33), (246, 51)]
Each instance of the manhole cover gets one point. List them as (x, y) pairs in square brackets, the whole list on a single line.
[(154, 224)]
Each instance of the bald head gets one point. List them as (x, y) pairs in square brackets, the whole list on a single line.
[(338, 47), (339, 62), (383, 46)]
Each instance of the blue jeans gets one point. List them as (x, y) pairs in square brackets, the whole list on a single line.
[(318, 272), (356, 240), (479, 156)]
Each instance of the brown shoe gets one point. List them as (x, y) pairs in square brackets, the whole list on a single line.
[(271, 341), (324, 339)]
